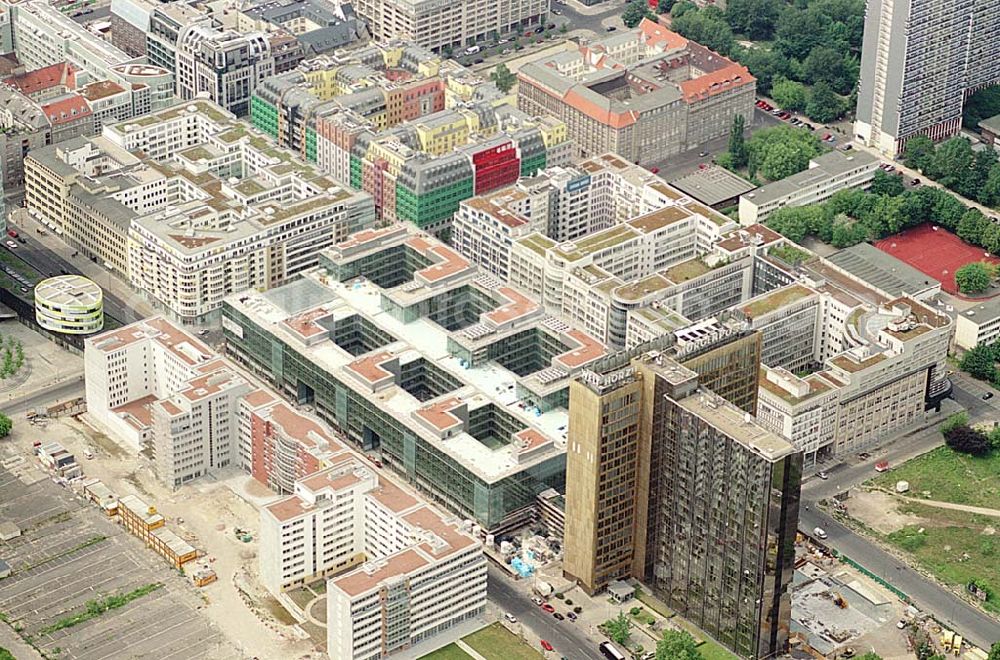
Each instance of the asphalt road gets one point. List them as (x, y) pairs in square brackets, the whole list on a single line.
[(579, 21), (566, 637), (926, 594), (68, 390), (49, 264)]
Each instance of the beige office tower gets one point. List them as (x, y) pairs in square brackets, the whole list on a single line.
[(668, 482)]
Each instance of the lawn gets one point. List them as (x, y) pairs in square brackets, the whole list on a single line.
[(494, 642), (955, 546), (949, 477), (450, 652), (712, 651)]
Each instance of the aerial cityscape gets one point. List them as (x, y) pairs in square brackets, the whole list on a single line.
[(499, 329)]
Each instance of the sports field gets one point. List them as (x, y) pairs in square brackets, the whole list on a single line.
[(934, 251)]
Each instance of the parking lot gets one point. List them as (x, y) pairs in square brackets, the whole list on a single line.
[(68, 554)]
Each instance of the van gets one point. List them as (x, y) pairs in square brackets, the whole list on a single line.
[(472, 50), (88, 454), (819, 533)]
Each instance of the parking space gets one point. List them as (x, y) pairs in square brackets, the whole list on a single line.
[(68, 555)]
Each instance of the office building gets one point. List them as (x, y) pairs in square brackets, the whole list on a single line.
[(827, 174), (919, 61), (69, 304), (459, 382), (224, 64), (644, 94), (210, 209), (399, 571), (980, 324), (315, 26), (449, 26), (670, 483), (713, 186)]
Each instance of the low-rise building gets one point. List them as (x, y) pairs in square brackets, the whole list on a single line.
[(404, 346), (979, 324), (210, 209), (644, 94), (714, 186), (447, 26), (989, 131), (69, 304), (826, 174)]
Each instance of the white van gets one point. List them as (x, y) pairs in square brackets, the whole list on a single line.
[(819, 533), (472, 50)]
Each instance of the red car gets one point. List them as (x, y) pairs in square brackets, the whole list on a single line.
[(654, 170), (12, 233), (546, 645), (882, 466), (784, 116), (548, 608)]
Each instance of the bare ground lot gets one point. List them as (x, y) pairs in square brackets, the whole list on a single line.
[(69, 554)]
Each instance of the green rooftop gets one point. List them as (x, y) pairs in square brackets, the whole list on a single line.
[(776, 300), (597, 242), (197, 153), (233, 134), (249, 187), (537, 243), (687, 270)]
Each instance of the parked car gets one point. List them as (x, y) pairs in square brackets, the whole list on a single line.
[(827, 137), (987, 396), (571, 616), (12, 245), (864, 456), (882, 466), (784, 116), (557, 616), (820, 533), (12, 233), (823, 475), (808, 126), (846, 147), (610, 28), (510, 617), (915, 182), (548, 608), (546, 645), (537, 601), (654, 170), (702, 154)]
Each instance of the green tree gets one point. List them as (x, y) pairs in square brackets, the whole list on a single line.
[(635, 11), (681, 8), (824, 103), (737, 143), (989, 194), (981, 105), (707, 26), (5, 654), (974, 179), (789, 94), (946, 210), (783, 160), (951, 161), (824, 64), (618, 628), (973, 277), (754, 18), (798, 32), (664, 6), (765, 64), (6, 425), (503, 78), (968, 441), (991, 238), (677, 645), (919, 153), (886, 217), (954, 421), (994, 652), (794, 149), (870, 656), (887, 184), (971, 227)]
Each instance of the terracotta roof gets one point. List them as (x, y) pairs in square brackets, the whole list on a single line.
[(299, 427), (101, 89), (370, 367), (655, 34), (67, 109), (392, 497), (259, 398), (137, 413), (716, 82), (439, 414), (286, 509), (361, 581), (304, 324), (587, 349), (55, 75), (447, 261), (518, 305)]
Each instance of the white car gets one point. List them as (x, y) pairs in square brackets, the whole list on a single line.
[(537, 601), (819, 533), (510, 617), (12, 245)]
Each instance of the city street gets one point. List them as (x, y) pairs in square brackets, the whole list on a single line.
[(565, 636), (927, 595)]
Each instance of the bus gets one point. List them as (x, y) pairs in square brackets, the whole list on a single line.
[(611, 652)]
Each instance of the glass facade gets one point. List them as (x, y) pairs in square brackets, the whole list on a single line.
[(491, 504)]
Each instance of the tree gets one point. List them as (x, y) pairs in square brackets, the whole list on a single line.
[(707, 26), (971, 226), (737, 143), (981, 105), (618, 628), (635, 11), (677, 645), (824, 104), (6, 425), (968, 440), (766, 65), (503, 78), (973, 277), (754, 18), (979, 362), (664, 6), (681, 8), (870, 656), (972, 181), (994, 652), (798, 32), (952, 161), (824, 64), (919, 152), (794, 149), (954, 421), (989, 194), (887, 184), (5, 654), (789, 94), (782, 160)]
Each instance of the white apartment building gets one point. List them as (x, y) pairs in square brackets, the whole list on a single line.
[(398, 571), (833, 171), (127, 369), (211, 209), (440, 24), (978, 325), (801, 409), (195, 430), (224, 64)]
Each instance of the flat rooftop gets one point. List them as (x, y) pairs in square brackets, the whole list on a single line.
[(712, 184), (882, 271), (734, 423), (821, 169)]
